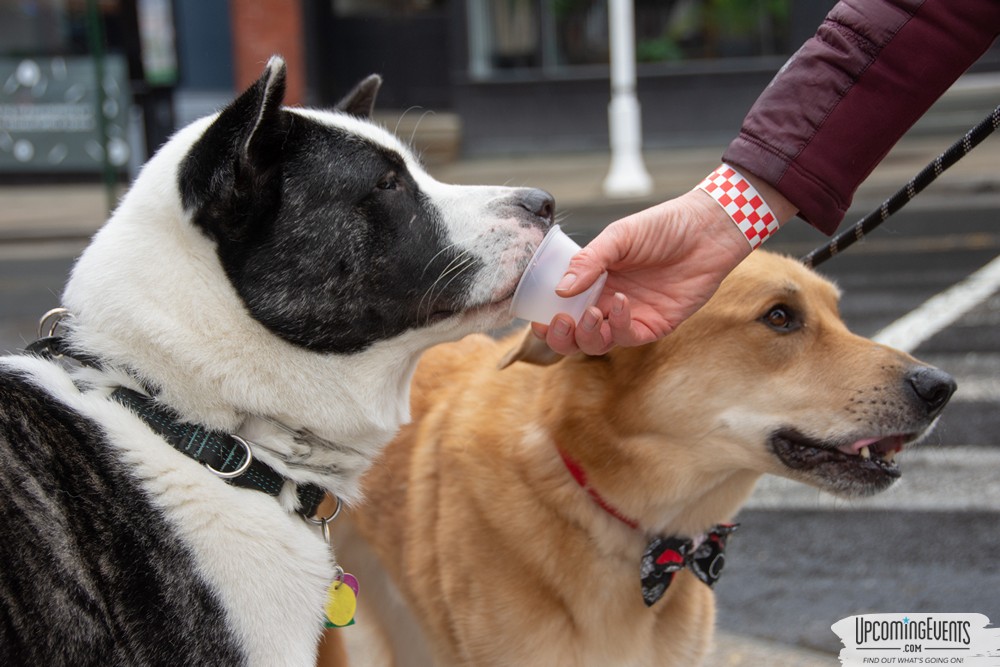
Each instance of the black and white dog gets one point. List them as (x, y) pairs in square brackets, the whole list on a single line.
[(273, 273)]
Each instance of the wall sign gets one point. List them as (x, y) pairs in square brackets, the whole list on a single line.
[(48, 115)]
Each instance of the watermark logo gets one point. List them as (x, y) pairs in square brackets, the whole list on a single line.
[(918, 639)]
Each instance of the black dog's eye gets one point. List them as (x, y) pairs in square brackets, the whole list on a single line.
[(781, 318), (388, 182)]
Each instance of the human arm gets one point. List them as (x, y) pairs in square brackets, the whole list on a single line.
[(845, 98), (815, 133)]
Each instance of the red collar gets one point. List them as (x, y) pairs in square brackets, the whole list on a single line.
[(664, 556), (580, 475)]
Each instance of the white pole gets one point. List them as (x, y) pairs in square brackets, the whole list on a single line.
[(627, 176)]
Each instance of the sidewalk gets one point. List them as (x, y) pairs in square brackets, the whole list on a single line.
[(43, 212)]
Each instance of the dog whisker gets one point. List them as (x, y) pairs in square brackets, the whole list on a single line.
[(458, 242), (399, 121), (455, 264), (456, 273), (417, 124), (456, 267)]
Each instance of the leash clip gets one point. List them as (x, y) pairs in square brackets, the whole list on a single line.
[(324, 522)]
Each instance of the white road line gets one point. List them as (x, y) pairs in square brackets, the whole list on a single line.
[(941, 310), (934, 479)]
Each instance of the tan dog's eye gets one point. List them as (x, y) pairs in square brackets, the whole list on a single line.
[(781, 318)]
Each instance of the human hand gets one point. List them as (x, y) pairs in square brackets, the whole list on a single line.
[(663, 264)]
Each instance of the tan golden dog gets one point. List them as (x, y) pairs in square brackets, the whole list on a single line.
[(513, 512)]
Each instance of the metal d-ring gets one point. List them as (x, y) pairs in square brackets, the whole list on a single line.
[(324, 522), (47, 343), (56, 317), (243, 468)]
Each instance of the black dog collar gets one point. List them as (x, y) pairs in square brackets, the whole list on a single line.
[(228, 456)]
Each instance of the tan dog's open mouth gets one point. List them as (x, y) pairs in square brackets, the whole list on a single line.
[(861, 467)]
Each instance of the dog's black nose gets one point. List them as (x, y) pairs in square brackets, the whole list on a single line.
[(933, 387), (538, 203)]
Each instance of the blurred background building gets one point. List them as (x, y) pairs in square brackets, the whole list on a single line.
[(500, 76)]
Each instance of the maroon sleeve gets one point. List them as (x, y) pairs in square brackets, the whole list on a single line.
[(847, 96)]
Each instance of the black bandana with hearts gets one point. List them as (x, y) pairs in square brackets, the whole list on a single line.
[(666, 556)]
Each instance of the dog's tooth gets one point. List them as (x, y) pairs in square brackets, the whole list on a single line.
[(865, 453), (890, 455)]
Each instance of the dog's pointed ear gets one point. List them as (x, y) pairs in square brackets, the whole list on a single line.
[(263, 101), (360, 101), (231, 175), (532, 350)]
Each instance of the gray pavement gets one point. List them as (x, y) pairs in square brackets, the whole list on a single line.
[(60, 212), (43, 220)]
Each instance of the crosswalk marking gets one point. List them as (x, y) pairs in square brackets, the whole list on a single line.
[(941, 310)]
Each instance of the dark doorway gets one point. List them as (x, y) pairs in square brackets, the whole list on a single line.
[(406, 41)]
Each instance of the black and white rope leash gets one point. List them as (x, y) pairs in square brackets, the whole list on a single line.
[(927, 175)]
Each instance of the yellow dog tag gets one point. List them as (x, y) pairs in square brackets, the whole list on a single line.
[(341, 602)]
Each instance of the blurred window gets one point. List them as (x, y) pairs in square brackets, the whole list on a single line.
[(140, 30), (51, 27), (511, 36), (33, 27)]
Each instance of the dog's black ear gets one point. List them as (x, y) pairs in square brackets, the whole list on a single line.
[(231, 176), (531, 350), (360, 101), (262, 101)]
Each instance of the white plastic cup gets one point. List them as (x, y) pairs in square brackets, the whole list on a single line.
[(535, 298)]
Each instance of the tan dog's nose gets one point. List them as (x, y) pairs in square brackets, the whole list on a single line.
[(932, 387)]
